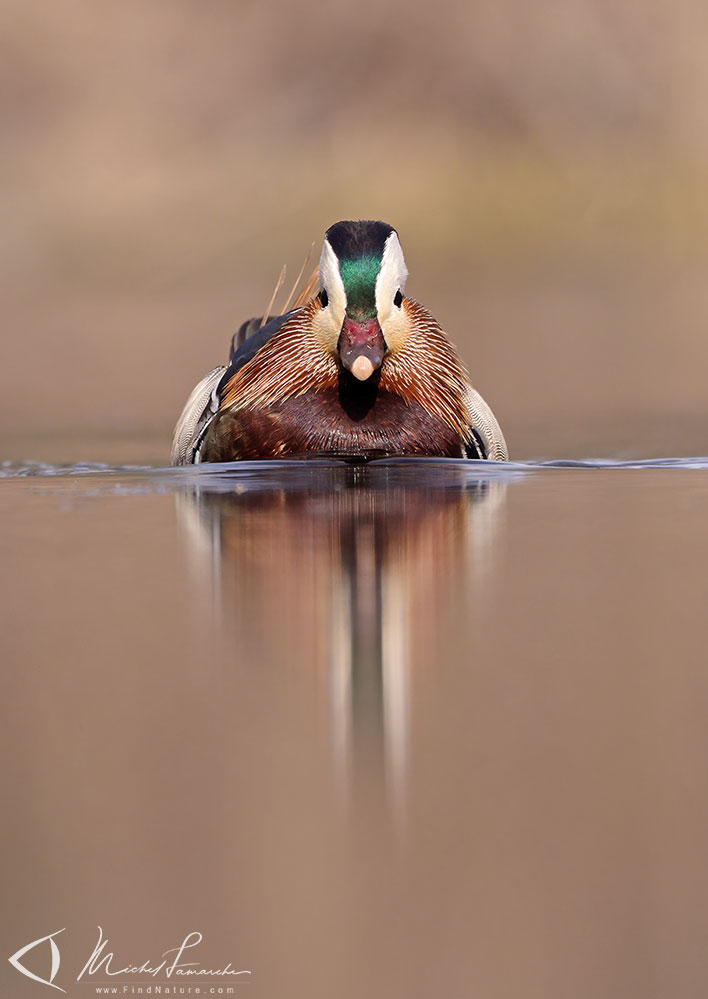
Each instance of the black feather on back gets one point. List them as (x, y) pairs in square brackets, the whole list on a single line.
[(246, 343), (242, 334), (474, 447)]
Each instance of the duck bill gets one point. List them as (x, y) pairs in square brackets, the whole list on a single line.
[(361, 347)]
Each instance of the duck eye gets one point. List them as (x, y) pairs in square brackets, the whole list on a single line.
[(398, 298), (324, 299)]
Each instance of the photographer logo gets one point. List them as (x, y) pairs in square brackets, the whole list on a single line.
[(173, 964), (15, 960)]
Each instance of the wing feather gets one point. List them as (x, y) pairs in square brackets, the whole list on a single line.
[(194, 420)]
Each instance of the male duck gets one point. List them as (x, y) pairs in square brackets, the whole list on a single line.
[(358, 371)]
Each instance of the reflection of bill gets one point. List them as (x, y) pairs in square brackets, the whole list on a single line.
[(347, 569)]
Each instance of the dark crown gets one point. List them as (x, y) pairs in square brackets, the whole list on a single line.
[(351, 240)]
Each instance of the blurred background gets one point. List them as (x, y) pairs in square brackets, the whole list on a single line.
[(381, 731), (546, 166)]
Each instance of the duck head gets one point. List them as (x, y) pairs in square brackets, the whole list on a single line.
[(360, 315)]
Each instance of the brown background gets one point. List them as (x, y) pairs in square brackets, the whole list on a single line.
[(546, 165)]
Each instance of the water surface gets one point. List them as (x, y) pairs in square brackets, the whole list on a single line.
[(408, 729)]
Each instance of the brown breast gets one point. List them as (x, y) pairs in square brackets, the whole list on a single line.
[(368, 423)]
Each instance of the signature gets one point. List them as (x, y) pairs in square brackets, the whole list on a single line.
[(171, 962)]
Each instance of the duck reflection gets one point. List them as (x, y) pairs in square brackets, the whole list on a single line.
[(347, 572)]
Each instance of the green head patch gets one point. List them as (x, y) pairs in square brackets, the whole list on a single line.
[(359, 278)]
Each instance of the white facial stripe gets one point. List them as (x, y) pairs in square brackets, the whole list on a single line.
[(330, 278), (392, 275), (328, 321)]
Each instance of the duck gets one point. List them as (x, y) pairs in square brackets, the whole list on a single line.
[(356, 370)]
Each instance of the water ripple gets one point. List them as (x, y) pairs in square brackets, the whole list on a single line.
[(302, 476), (297, 469)]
